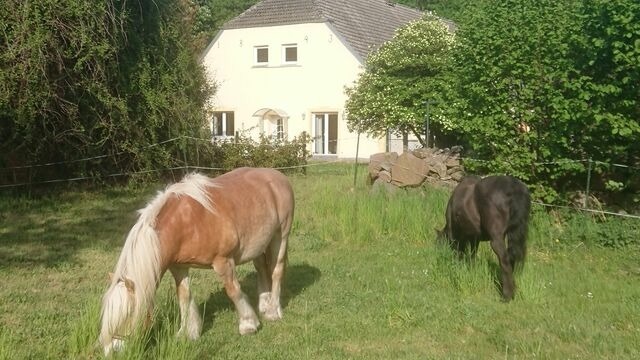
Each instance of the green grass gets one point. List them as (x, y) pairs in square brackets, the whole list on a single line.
[(365, 281)]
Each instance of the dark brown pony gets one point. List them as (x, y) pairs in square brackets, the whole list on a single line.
[(495, 208), (243, 215)]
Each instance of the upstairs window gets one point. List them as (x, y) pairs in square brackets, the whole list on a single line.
[(261, 55), (289, 54)]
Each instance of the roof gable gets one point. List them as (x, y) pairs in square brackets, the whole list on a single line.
[(363, 24)]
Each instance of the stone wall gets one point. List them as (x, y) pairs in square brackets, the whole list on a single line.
[(440, 167)]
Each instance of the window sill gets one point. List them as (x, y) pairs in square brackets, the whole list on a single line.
[(275, 66)]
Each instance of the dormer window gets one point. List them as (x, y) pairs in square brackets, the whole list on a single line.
[(261, 55), (289, 53)]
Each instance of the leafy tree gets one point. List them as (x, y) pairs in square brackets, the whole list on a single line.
[(556, 68), (399, 78), (609, 63), (163, 80), (210, 15), (513, 70), (448, 9), (84, 79)]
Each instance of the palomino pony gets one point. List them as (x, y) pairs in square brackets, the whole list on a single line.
[(243, 215), (490, 209)]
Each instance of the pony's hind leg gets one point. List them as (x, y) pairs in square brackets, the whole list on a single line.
[(190, 321), (277, 253), (498, 246), (474, 247), (264, 282), (225, 268)]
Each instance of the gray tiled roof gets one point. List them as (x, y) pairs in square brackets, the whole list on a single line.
[(363, 24)]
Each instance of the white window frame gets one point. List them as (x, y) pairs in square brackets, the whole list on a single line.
[(321, 119), (279, 129), (284, 53), (223, 119), (255, 55)]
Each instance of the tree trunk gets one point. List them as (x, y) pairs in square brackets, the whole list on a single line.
[(405, 141)]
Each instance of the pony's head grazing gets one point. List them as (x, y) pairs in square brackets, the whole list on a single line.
[(136, 275), (118, 308), (441, 236), (130, 293)]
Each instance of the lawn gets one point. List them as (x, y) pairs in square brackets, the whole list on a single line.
[(365, 280)]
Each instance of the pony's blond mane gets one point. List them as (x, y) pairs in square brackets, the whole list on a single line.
[(140, 256)]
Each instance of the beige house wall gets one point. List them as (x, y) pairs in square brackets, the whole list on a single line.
[(315, 84)]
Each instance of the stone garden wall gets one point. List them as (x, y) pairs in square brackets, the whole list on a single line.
[(440, 167)]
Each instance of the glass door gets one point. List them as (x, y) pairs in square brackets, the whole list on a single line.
[(325, 135)]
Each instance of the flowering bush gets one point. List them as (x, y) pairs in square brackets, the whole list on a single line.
[(266, 152), (399, 78)]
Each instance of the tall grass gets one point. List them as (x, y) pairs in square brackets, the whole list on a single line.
[(365, 280)]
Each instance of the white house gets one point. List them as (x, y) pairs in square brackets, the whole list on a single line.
[(281, 68)]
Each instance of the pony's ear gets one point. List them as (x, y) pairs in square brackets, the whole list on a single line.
[(128, 283)]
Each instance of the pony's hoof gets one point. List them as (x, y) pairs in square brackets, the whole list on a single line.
[(507, 298), (116, 345), (274, 313), (248, 327), (263, 303), (189, 335)]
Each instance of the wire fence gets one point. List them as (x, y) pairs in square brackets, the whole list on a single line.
[(188, 167), (584, 208)]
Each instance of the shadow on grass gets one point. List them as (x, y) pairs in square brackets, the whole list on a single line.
[(50, 231), (298, 278)]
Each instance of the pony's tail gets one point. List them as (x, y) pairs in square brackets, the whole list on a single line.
[(518, 227)]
